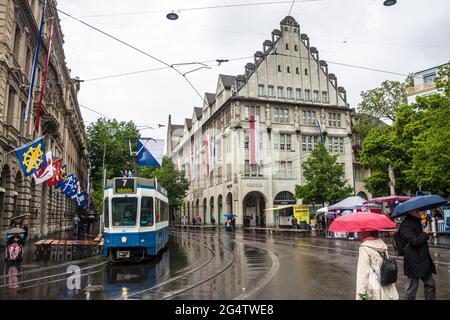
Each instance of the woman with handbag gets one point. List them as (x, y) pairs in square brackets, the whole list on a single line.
[(372, 253)]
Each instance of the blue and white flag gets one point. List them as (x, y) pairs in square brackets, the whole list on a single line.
[(32, 157), (82, 199), (69, 187), (150, 152)]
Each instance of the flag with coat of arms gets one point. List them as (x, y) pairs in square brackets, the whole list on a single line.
[(32, 157), (46, 172), (57, 173)]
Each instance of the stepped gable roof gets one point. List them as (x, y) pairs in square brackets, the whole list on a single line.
[(227, 80), (290, 21), (188, 123), (174, 127), (198, 112), (210, 97)]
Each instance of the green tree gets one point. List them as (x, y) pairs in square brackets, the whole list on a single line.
[(323, 177), (383, 102), (109, 138), (175, 182), (416, 146)]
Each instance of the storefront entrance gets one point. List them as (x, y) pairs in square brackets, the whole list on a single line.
[(254, 206)]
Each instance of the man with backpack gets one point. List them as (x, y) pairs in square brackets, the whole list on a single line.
[(412, 242)]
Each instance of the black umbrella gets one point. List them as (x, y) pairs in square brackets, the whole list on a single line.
[(420, 203)]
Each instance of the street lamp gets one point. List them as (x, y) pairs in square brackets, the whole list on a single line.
[(389, 3), (172, 16)]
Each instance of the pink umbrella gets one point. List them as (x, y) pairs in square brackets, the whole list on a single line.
[(361, 221)]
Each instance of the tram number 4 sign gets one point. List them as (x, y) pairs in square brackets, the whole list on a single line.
[(124, 186)]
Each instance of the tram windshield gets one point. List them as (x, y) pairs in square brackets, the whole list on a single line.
[(124, 211)]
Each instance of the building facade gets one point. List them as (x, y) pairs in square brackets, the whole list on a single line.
[(289, 91), (61, 120), (423, 83)]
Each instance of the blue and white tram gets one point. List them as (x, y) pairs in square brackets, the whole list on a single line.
[(136, 218)]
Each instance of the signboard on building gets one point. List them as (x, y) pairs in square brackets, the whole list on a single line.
[(301, 213)]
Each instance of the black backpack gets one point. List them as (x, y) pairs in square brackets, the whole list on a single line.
[(399, 244), (388, 270)]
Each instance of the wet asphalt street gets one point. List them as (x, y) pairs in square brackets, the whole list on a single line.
[(211, 265)]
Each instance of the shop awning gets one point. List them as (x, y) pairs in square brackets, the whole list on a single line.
[(281, 207)]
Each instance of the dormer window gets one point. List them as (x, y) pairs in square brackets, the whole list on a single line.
[(279, 68), (306, 72), (288, 69), (287, 46), (295, 47), (297, 70)]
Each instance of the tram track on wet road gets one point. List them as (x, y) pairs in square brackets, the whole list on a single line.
[(156, 290)]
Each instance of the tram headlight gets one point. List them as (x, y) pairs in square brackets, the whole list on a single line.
[(124, 239)]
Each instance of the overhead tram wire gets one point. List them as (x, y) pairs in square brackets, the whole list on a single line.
[(252, 4), (134, 48)]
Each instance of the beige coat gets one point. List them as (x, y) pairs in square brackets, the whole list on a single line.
[(366, 278)]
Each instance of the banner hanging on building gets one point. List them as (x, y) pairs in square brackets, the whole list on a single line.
[(253, 145), (150, 152), (32, 157)]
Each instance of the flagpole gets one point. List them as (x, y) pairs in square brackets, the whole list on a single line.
[(44, 80)]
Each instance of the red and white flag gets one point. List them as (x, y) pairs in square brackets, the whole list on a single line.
[(253, 146), (46, 172)]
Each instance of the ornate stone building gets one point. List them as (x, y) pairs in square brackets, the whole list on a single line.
[(288, 88), (61, 118)]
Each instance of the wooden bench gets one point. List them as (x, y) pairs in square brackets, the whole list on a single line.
[(39, 249), (53, 249)]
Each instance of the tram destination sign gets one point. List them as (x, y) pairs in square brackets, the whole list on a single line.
[(125, 185)]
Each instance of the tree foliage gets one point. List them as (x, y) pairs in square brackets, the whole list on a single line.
[(383, 102), (109, 138), (175, 182), (324, 182), (416, 146)]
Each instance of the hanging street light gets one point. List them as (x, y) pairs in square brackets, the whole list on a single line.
[(389, 3), (172, 16)]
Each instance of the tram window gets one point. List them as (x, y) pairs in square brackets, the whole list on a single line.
[(164, 211), (106, 212), (146, 211), (157, 210), (124, 211)]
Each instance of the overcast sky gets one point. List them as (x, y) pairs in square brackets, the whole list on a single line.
[(411, 36)]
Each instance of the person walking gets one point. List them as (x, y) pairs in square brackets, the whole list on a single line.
[(370, 258), (213, 221), (417, 262), (76, 225), (294, 222)]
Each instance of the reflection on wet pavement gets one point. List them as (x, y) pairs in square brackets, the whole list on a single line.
[(212, 265)]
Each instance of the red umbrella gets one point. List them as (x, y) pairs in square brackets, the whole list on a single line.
[(361, 221)]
